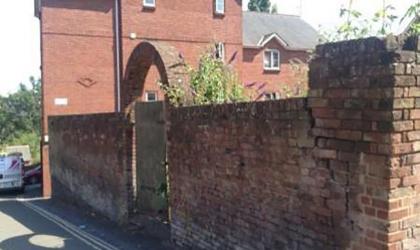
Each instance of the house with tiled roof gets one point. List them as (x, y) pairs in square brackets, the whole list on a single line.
[(271, 44)]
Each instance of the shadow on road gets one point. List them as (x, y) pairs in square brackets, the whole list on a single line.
[(22, 228), (31, 192)]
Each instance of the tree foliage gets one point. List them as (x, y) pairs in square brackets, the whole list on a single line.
[(20, 116), (354, 25), (214, 82), (413, 13), (260, 5), (274, 9)]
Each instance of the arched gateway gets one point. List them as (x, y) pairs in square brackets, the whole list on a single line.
[(167, 60), (149, 142)]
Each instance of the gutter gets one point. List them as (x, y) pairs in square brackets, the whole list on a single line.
[(118, 53), (37, 8), (286, 48)]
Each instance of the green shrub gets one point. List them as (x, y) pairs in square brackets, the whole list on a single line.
[(211, 83), (20, 118)]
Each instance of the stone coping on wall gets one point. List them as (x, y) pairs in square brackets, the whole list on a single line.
[(278, 109), (369, 45), (89, 116)]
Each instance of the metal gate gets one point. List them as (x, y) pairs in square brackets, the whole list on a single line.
[(151, 170)]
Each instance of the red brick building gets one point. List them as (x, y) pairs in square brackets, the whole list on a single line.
[(273, 46), (86, 46)]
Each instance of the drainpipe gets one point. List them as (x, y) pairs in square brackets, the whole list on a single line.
[(117, 22)]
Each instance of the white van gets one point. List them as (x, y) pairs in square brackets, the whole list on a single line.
[(11, 172), (22, 149)]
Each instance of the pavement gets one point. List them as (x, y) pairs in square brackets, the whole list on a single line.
[(30, 222)]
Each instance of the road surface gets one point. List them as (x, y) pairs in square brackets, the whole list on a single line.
[(24, 225), (28, 222)]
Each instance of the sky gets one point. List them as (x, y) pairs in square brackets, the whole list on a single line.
[(326, 12), (20, 42)]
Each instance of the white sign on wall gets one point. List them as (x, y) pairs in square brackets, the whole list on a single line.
[(61, 101)]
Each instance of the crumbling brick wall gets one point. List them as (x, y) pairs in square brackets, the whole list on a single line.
[(90, 158), (404, 175), (242, 176), (339, 173), (363, 99)]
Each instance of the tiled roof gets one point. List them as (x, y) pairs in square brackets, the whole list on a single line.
[(294, 32)]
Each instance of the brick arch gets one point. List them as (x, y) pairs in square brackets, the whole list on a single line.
[(167, 60)]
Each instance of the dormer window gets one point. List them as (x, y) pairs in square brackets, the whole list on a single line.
[(149, 3), (219, 7)]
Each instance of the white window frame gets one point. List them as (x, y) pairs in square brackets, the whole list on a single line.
[(272, 52), (217, 3), (220, 51), (146, 96), (149, 5), (271, 96)]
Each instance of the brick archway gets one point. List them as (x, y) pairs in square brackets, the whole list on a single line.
[(167, 60), (149, 120)]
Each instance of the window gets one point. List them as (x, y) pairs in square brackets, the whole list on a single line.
[(220, 51), (219, 6), (272, 59), (151, 96), (272, 96), (149, 3)]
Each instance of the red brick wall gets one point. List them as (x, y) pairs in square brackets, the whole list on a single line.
[(151, 84), (90, 159), (189, 26), (77, 43), (46, 173), (276, 80), (184, 22), (194, 50), (340, 173), (242, 177), (364, 97)]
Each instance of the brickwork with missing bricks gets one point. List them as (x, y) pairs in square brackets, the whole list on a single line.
[(337, 170)]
